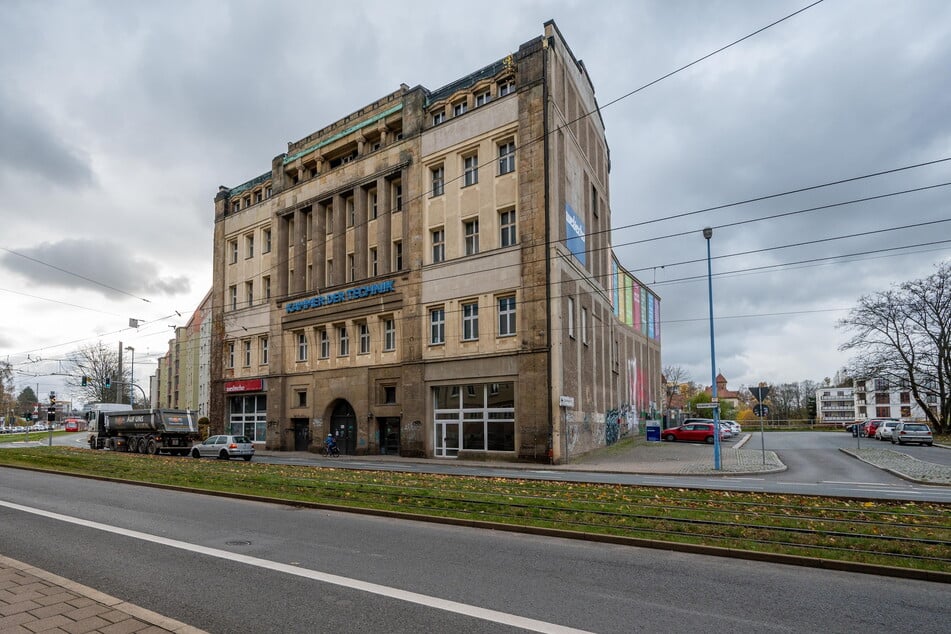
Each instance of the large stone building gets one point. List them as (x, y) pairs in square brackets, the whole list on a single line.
[(433, 275)]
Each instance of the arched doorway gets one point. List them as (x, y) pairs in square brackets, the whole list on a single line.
[(343, 425)]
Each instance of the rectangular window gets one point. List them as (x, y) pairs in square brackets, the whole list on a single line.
[(233, 292), (330, 273), (439, 180), (506, 316), (439, 245), (266, 280), (230, 354), (471, 232), (249, 246), (236, 205), (351, 212), (374, 266), (507, 228), (470, 321), (266, 237), (344, 341), (584, 325), (883, 412), (247, 353), (351, 268), (470, 170), (506, 157), (571, 317), (398, 255), (483, 98), (330, 220), (265, 355), (233, 249), (439, 117), (258, 196), (373, 209), (437, 325), (460, 108), (324, 344), (364, 339), (247, 200), (301, 346), (389, 394), (506, 87), (268, 192), (301, 398), (398, 195), (249, 292), (389, 334)]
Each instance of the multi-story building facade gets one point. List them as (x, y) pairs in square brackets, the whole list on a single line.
[(183, 376), (835, 405), (870, 398), (880, 398), (433, 275)]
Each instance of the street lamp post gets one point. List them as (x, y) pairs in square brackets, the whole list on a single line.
[(707, 234), (132, 380)]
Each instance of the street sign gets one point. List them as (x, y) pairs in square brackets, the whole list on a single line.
[(707, 405), (759, 393), (761, 410)]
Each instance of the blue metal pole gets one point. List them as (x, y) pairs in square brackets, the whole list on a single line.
[(708, 233)]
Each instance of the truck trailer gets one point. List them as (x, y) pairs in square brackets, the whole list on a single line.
[(151, 431)]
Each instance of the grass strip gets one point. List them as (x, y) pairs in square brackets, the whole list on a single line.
[(891, 533)]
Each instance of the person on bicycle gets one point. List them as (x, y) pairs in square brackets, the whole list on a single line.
[(330, 443)]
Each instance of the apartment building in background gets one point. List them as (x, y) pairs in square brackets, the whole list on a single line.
[(433, 275), (870, 398)]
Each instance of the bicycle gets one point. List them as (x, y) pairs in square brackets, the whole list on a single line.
[(333, 452)]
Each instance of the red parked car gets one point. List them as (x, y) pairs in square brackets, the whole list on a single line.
[(695, 432), (872, 426)]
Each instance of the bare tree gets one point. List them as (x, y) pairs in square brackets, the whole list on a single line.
[(903, 335), (99, 366), (7, 398), (673, 376)]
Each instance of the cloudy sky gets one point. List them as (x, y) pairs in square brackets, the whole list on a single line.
[(118, 121)]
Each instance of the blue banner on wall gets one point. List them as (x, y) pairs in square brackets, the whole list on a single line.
[(574, 229)]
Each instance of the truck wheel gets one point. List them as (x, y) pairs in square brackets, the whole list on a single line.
[(143, 445), (153, 448), (195, 454)]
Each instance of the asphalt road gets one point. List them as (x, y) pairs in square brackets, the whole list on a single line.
[(226, 565)]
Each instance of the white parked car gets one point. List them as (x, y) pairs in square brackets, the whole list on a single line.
[(884, 431)]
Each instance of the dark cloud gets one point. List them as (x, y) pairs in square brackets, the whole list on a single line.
[(32, 147), (105, 267)]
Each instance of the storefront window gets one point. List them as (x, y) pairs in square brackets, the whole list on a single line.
[(248, 416), (485, 413)]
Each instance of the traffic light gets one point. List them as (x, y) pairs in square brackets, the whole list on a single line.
[(52, 399), (85, 380), (108, 382)]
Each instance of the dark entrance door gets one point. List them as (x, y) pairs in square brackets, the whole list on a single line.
[(301, 434), (343, 425), (390, 435)]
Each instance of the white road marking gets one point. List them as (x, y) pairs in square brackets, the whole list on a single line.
[(346, 582)]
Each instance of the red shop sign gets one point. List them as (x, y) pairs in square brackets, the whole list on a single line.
[(249, 385)]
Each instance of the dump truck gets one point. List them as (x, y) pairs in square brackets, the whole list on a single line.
[(151, 431)]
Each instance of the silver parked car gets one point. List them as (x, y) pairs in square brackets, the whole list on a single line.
[(912, 432), (224, 448)]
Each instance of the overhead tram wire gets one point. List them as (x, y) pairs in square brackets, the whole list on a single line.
[(767, 267), (796, 244), (82, 277)]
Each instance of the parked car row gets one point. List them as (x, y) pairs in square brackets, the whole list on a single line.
[(894, 429), (701, 430), (19, 429)]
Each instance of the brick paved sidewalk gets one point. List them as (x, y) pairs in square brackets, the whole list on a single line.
[(33, 600)]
